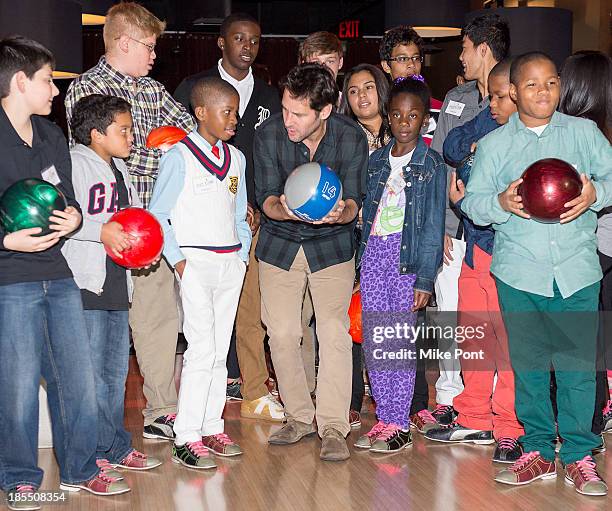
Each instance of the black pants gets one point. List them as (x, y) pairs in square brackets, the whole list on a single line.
[(233, 369), (420, 399), (358, 385), (604, 356)]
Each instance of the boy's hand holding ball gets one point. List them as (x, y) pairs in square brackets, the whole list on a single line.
[(115, 238), (511, 201)]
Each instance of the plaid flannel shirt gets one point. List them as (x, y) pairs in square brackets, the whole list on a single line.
[(152, 106), (344, 149)]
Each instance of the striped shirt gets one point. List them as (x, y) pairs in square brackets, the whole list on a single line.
[(152, 106)]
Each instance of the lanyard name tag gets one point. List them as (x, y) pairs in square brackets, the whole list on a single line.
[(203, 184), (50, 175), (396, 184), (455, 108)]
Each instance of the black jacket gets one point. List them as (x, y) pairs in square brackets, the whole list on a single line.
[(264, 102), (20, 161)]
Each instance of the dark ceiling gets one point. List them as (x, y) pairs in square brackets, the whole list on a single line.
[(276, 16)]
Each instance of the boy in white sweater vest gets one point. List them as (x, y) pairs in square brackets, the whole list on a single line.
[(200, 200)]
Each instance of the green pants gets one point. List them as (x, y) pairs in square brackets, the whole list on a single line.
[(553, 332)]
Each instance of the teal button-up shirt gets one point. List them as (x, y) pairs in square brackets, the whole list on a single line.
[(530, 255)]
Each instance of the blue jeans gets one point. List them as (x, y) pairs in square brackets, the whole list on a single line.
[(42, 331), (109, 338)]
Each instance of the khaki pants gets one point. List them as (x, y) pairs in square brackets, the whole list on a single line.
[(250, 333), (282, 296), (154, 324)]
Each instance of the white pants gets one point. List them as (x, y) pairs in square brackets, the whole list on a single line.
[(449, 383), (210, 289)]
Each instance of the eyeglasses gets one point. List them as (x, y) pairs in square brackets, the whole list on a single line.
[(150, 47), (403, 59)]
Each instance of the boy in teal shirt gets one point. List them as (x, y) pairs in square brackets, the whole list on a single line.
[(543, 269)]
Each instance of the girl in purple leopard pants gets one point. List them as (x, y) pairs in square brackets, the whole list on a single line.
[(399, 255)]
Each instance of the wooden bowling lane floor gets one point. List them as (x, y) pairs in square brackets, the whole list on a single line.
[(427, 476)]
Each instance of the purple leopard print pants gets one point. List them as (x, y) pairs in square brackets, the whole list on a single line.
[(387, 299)]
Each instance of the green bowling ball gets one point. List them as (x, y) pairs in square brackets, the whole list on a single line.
[(29, 203)]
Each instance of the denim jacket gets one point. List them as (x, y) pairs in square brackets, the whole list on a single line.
[(423, 231)]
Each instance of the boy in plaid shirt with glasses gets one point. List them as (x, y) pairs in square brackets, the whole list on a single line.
[(130, 35)]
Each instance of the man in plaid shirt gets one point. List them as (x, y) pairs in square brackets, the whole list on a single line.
[(293, 253), (130, 34)]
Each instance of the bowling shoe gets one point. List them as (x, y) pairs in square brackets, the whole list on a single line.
[(444, 414), (392, 439), (221, 445), (583, 475), (366, 441), (232, 392), (423, 421), (162, 428), (507, 450), (136, 460), (108, 469), (456, 433), (101, 484), (354, 419), (193, 455), (528, 468), (23, 497)]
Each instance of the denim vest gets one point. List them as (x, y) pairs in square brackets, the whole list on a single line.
[(423, 230)]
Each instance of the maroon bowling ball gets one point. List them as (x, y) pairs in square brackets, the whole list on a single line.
[(547, 185)]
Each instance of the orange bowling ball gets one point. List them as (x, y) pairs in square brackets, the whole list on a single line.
[(165, 137), (354, 312)]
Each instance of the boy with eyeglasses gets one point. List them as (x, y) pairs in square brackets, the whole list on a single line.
[(130, 34), (401, 56)]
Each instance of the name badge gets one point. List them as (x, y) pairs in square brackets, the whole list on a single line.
[(50, 175), (396, 184), (454, 108), (203, 184)]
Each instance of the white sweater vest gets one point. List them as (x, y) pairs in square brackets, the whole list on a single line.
[(204, 215)]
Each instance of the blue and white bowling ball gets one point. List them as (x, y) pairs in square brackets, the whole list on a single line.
[(312, 191)]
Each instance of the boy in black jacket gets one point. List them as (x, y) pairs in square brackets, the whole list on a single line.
[(239, 44)]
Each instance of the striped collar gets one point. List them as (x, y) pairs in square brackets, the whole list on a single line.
[(193, 143)]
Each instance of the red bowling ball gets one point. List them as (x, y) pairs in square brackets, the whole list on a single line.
[(547, 185), (165, 137), (149, 241)]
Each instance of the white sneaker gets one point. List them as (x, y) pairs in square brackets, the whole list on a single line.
[(265, 408)]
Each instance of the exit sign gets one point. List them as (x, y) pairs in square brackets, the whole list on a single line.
[(349, 29)]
